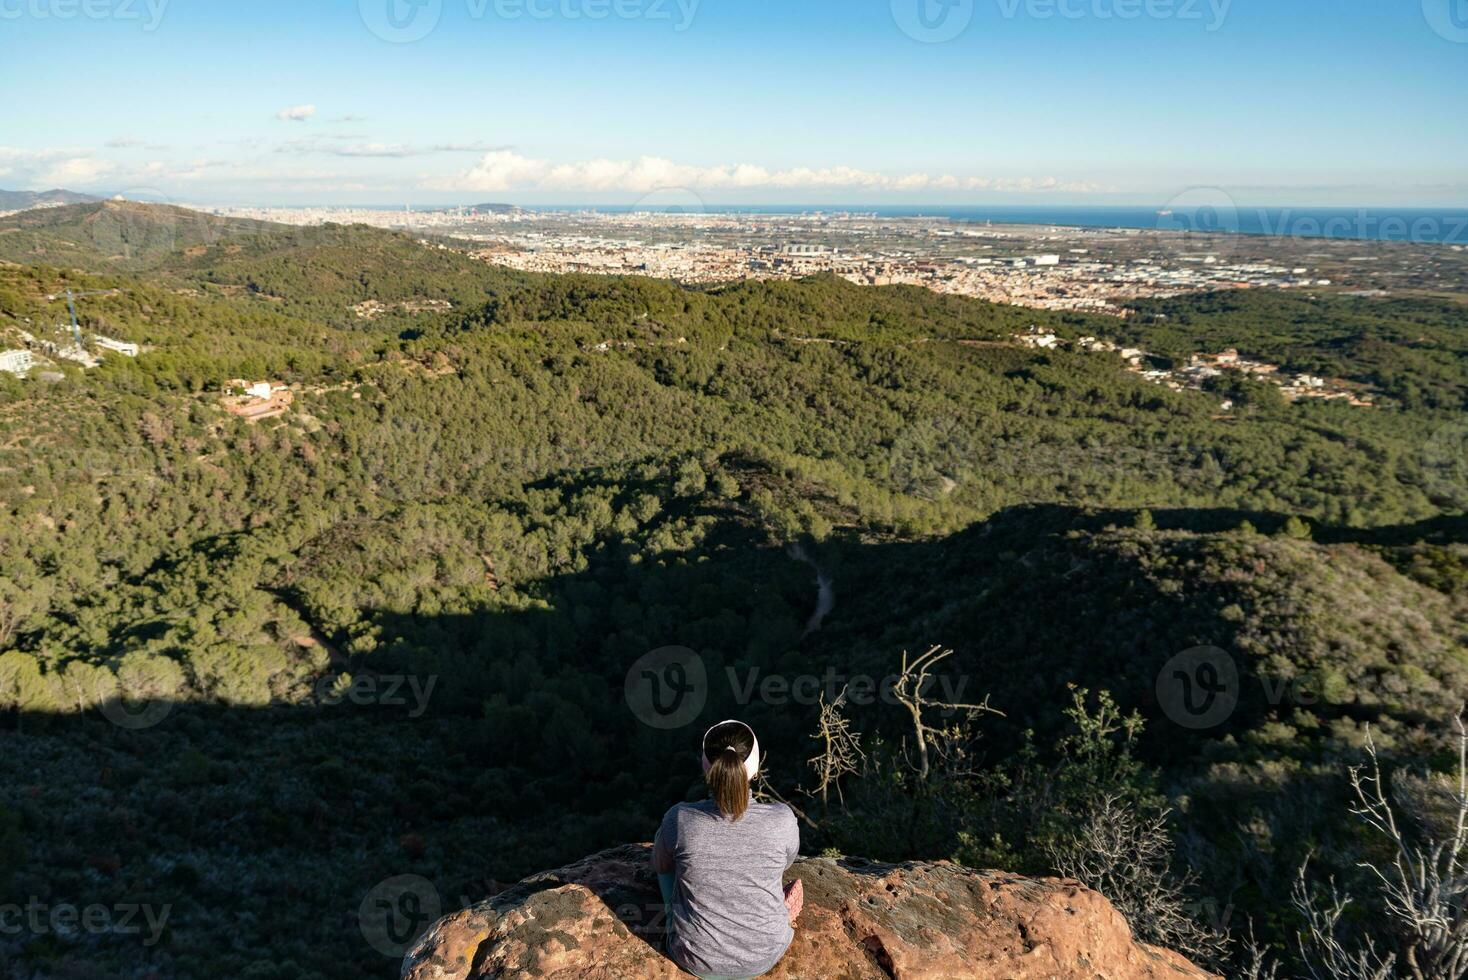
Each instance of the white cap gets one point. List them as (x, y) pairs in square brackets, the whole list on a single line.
[(751, 764)]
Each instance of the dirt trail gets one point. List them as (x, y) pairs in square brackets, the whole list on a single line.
[(825, 589)]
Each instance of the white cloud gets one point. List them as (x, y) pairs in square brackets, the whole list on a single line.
[(299, 113), (47, 167), (20, 155), (341, 145), (76, 172), (506, 170)]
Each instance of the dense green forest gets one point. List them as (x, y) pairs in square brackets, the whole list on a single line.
[(250, 672)]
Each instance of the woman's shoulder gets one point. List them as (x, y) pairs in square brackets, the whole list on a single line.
[(777, 812), (698, 806)]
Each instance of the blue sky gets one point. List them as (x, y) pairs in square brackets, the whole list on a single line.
[(1345, 102)]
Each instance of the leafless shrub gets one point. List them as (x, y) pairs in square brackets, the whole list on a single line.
[(1253, 961), (1127, 857), (1424, 886), (1421, 889), (840, 754), (1323, 952), (911, 692)]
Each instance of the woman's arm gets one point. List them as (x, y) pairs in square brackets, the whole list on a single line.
[(662, 861), (662, 846)]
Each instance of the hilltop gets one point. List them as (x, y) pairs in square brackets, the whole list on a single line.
[(862, 920), (112, 235), (484, 504), (19, 200)]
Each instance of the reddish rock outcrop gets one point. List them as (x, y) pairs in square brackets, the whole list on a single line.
[(602, 919)]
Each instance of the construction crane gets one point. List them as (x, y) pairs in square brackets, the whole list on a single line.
[(71, 298)]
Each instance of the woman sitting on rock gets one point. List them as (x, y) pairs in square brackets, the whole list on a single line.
[(720, 864)]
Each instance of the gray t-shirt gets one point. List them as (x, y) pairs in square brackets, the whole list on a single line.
[(728, 915)]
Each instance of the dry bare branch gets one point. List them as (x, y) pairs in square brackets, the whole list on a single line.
[(840, 754), (1128, 858), (911, 692), (1323, 951)]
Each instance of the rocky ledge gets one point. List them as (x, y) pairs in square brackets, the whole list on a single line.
[(602, 919)]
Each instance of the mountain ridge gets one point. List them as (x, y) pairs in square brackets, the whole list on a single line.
[(18, 200)]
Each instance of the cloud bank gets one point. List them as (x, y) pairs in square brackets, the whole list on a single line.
[(506, 170)]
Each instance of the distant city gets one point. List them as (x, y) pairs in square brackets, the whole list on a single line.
[(1101, 270), (1056, 267)]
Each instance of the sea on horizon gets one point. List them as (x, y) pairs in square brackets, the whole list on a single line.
[(1447, 226)]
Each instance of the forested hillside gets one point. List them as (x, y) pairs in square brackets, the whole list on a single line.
[(493, 507)]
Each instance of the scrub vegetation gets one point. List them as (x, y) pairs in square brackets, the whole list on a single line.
[(248, 671)]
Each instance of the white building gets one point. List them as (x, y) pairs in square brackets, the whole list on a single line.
[(1047, 260), (119, 346), (1038, 338), (16, 361)]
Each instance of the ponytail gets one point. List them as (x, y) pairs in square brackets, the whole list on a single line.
[(729, 783), (731, 758)]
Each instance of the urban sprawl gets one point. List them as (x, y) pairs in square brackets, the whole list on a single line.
[(1094, 270)]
